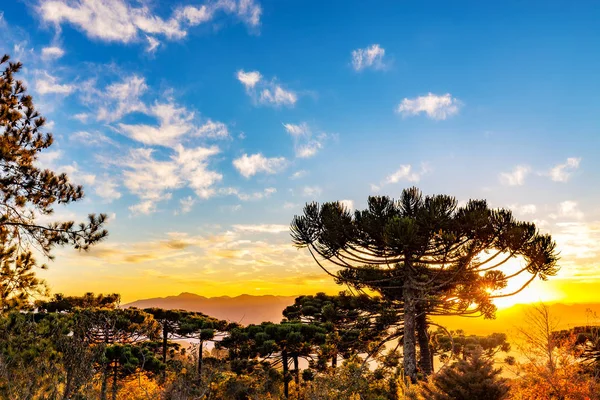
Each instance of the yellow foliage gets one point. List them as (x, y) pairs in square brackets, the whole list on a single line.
[(140, 387)]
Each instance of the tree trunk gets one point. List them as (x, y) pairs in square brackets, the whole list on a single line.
[(164, 343), (334, 360), (409, 346), (104, 387), (200, 355), (68, 384), (115, 381), (286, 385), (297, 376), (425, 359)]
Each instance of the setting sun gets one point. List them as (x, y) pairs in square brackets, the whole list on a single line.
[(296, 200)]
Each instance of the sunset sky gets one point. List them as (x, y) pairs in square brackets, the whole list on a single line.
[(202, 127)]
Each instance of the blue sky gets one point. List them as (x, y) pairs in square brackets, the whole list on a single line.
[(203, 127)]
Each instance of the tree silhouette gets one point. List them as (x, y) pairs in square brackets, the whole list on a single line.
[(182, 324), (354, 323), (280, 344), (28, 192), (425, 254)]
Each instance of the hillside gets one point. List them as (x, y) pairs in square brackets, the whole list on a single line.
[(245, 309), (249, 309)]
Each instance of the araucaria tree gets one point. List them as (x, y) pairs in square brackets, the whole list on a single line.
[(28, 192), (426, 255)]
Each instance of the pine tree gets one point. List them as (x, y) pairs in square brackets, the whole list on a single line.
[(28, 192), (426, 255), (474, 378)]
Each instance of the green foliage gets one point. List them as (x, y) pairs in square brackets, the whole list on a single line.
[(474, 378), (354, 323), (460, 345), (27, 191), (424, 254)]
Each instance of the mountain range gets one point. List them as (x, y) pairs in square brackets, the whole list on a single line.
[(248, 309)]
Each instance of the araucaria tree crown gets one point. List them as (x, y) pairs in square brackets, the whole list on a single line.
[(425, 254)]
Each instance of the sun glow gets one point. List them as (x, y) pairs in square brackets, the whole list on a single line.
[(535, 292)]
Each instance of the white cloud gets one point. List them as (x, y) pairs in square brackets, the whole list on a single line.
[(81, 117), (577, 240), (249, 79), (297, 130), (369, 57), (306, 144), (266, 92), (107, 189), (256, 163), (298, 174), (404, 173), (48, 84), (528, 209), (434, 106), (174, 123), (76, 175), (186, 204), (278, 96), (516, 177), (568, 209), (52, 53), (266, 193), (213, 130), (117, 99), (288, 205), (47, 158), (348, 204), (118, 21), (562, 172), (311, 191), (262, 228), (91, 139), (153, 180), (145, 207), (153, 44)]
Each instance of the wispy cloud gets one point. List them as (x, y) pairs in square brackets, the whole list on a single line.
[(568, 209), (257, 163), (306, 144), (116, 100), (562, 172), (523, 209), (154, 180), (52, 53), (107, 189), (368, 57), (406, 173), (91, 138), (48, 84), (186, 204), (119, 21), (516, 177), (253, 196), (298, 174), (267, 92), (311, 191), (262, 228), (437, 107)]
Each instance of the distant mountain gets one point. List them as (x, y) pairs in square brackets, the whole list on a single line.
[(245, 309)]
